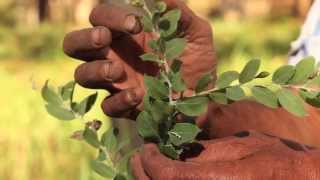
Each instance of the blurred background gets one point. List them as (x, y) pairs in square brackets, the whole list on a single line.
[(34, 145)]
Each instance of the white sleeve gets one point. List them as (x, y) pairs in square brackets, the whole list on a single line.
[(308, 44)]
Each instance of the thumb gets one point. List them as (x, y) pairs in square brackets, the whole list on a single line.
[(156, 164), (190, 23)]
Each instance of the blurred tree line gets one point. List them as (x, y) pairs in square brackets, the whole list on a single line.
[(38, 26), (33, 12)]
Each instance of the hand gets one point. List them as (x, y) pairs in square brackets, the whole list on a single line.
[(112, 48), (248, 155)]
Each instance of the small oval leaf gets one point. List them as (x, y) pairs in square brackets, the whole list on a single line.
[(60, 112), (193, 106), (91, 137), (226, 78), (150, 57), (291, 103), (102, 169), (50, 96), (304, 69), (283, 74), (147, 128), (265, 96), (250, 71), (235, 93), (183, 133), (155, 88), (203, 83), (174, 48)]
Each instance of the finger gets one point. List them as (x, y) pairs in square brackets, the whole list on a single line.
[(99, 74), (137, 168), (118, 104), (88, 44), (155, 164), (233, 148), (116, 17), (190, 23)]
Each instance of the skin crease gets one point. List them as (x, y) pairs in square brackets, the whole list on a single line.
[(111, 50)]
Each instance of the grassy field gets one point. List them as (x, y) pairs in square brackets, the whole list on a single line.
[(35, 146)]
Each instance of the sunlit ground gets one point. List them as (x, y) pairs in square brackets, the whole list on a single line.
[(35, 146)]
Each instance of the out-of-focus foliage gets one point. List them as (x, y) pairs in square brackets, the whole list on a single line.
[(43, 42)]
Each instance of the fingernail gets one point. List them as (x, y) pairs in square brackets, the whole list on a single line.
[(106, 71), (132, 24)]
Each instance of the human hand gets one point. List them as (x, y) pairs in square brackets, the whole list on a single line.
[(112, 48), (247, 155)]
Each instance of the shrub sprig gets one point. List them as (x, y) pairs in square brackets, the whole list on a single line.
[(158, 122)]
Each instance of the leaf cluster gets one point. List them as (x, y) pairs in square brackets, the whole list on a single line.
[(60, 103)]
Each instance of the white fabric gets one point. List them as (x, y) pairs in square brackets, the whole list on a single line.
[(308, 44)]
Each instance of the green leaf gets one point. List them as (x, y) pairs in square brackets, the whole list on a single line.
[(161, 7), (304, 69), (50, 96), (203, 83), (183, 133), (235, 93), (159, 110), (176, 66), (262, 75), (174, 48), (314, 82), (147, 24), (283, 74), (169, 23), (178, 84), (291, 103), (170, 151), (219, 97), (250, 71), (123, 164), (86, 105), (310, 97), (193, 106), (101, 156), (102, 169), (120, 177), (313, 102), (60, 112), (109, 140), (153, 44), (308, 94), (147, 128), (226, 78), (91, 137), (150, 57), (67, 91), (155, 88), (265, 96)]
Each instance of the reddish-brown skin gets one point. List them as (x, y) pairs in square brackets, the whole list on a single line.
[(111, 50)]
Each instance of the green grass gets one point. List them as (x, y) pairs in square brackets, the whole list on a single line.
[(35, 146)]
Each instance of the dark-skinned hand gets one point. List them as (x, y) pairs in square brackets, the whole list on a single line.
[(245, 156), (112, 48)]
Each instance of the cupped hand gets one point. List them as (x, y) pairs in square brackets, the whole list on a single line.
[(112, 48), (245, 156)]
